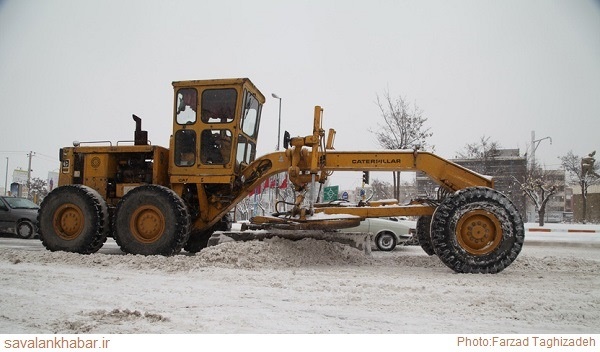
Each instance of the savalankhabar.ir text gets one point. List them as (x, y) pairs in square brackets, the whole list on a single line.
[(56, 343)]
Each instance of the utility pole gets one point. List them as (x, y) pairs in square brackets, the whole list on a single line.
[(6, 178), (30, 155)]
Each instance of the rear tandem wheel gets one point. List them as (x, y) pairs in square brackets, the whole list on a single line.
[(151, 219), (73, 218), (477, 230)]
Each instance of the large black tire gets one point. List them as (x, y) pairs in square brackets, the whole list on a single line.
[(26, 229), (73, 218), (386, 241), (424, 234), (477, 230), (199, 239), (151, 220)]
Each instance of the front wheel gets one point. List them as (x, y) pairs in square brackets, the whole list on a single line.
[(477, 230), (386, 241), (151, 220)]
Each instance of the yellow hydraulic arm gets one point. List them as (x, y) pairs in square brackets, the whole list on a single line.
[(446, 173), (309, 159), (310, 154)]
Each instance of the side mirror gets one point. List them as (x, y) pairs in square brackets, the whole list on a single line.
[(286, 139)]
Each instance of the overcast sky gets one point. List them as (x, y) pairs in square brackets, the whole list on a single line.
[(77, 70)]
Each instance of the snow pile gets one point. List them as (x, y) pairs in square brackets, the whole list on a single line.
[(270, 253), (309, 286), (551, 263), (277, 252), (85, 321)]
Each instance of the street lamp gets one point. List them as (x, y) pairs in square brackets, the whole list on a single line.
[(534, 145), (278, 141), (279, 124)]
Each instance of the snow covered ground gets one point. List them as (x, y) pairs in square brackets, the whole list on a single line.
[(309, 286)]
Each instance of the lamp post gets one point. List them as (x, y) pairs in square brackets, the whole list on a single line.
[(279, 124), (278, 144), (534, 145)]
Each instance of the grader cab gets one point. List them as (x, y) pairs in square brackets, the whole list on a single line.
[(154, 200)]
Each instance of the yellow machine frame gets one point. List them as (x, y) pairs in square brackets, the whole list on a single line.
[(154, 200)]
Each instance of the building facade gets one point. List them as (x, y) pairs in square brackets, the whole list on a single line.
[(592, 204)]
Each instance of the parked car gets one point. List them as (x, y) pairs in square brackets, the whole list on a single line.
[(18, 216), (387, 232)]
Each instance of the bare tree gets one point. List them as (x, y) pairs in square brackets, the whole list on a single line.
[(539, 186), (382, 189), (38, 189), (584, 171), (403, 127), (484, 150), (487, 157), (243, 210)]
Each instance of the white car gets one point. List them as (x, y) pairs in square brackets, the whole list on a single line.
[(387, 232)]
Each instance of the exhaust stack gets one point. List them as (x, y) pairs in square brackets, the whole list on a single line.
[(140, 137)]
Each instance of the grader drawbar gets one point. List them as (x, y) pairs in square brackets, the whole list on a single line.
[(157, 201)]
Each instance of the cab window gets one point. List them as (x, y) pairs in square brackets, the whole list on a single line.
[(187, 102), (246, 150), (251, 115), (218, 105), (216, 146), (185, 147)]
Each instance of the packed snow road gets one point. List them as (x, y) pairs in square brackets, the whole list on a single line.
[(309, 286)]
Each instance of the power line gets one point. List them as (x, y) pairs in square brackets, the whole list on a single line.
[(14, 151), (53, 158)]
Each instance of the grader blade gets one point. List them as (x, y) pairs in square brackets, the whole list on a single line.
[(360, 241), (294, 229)]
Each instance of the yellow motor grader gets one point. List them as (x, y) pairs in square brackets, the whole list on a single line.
[(158, 201)]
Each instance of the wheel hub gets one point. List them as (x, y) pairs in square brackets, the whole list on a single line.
[(68, 221), (386, 241), (479, 232), (25, 230), (147, 224)]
